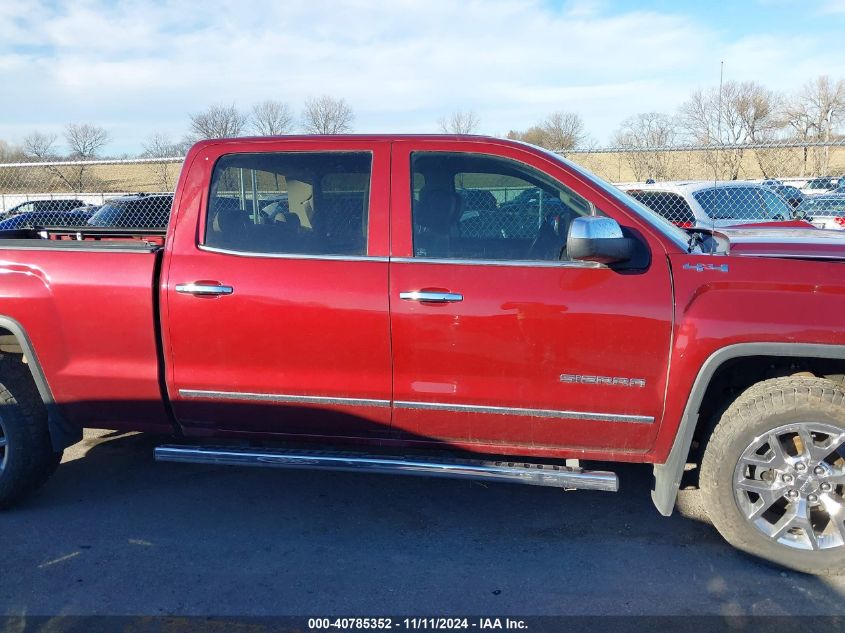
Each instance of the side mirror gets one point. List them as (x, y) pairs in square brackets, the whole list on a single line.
[(597, 239)]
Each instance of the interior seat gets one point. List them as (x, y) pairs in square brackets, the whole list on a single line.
[(435, 217)]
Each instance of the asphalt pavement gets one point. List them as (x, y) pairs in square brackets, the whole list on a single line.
[(114, 533)]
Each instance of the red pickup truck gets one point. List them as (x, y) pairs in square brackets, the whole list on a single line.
[(440, 305)]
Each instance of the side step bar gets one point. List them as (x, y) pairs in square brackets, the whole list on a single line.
[(514, 472)]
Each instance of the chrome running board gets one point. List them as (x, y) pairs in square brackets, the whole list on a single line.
[(514, 472)]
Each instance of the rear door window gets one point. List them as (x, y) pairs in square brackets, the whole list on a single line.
[(309, 203)]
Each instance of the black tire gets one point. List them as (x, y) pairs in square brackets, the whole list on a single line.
[(774, 409), (27, 460)]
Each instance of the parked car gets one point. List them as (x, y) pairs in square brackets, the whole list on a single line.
[(89, 209), (42, 206), (819, 185), (709, 205), (789, 193), (824, 212), (375, 328), (141, 211), (38, 219)]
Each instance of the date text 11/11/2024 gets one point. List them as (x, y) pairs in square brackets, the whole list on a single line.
[(433, 623)]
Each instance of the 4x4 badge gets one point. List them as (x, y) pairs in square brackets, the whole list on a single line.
[(700, 268)]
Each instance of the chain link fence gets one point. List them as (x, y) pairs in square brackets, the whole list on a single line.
[(692, 186), (120, 194), (728, 185)]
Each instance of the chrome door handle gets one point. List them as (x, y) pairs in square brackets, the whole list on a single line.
[(431, 297), (204, 289)]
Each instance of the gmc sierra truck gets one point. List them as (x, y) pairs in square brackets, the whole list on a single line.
[(440, 305)]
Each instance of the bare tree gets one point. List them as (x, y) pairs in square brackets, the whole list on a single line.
[(85, 140), (159, 145), (217, 121), (459, 122), (649, 131), (533, 135), (826, 101), (564, 130), (560, 131), (743, 112), (797, 117), (327, 115), (813, 113), (271, 118), (40, 145)]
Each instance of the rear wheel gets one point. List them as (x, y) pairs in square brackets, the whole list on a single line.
[(27, 458), (773, 473)]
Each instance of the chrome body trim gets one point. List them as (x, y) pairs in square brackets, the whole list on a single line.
[(532, 413), (280, 397), (406, 260), (813, 256), (203, 289), (338, 258), (411, 404), (496, 262), (531, 474), (431, 297)]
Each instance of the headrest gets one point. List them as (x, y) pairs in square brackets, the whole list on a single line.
[(436, 209), (230, 220)]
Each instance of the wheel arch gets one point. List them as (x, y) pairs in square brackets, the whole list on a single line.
[(14, 339), (667, 476)]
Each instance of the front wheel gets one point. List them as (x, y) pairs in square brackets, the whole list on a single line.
[(773, 474)]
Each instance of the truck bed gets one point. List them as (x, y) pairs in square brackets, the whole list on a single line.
[(89, 307)]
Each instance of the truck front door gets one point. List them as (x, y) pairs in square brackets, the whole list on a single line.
[(499, 339)]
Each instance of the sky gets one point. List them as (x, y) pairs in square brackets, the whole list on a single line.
[(142, 67)]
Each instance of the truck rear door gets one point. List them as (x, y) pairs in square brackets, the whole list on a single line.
[(275, 289), (498, 338)]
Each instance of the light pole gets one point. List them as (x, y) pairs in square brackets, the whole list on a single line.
[(827, 142)]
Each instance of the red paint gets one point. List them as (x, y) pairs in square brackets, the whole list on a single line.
[(333, 328)]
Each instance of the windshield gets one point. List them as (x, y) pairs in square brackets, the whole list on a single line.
[(664, 226), (108, 215), (828, 206), (149, 212), (742, 203)]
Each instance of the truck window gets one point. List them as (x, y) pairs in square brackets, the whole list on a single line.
[(308, 203), (473, 206)]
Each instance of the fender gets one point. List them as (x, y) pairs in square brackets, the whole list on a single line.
[(62, 433), (667, 476)]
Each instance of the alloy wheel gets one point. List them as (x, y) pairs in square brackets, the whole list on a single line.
[(790, 484)]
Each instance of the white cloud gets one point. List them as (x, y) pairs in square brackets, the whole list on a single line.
[(833, 6), (143, 66)]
